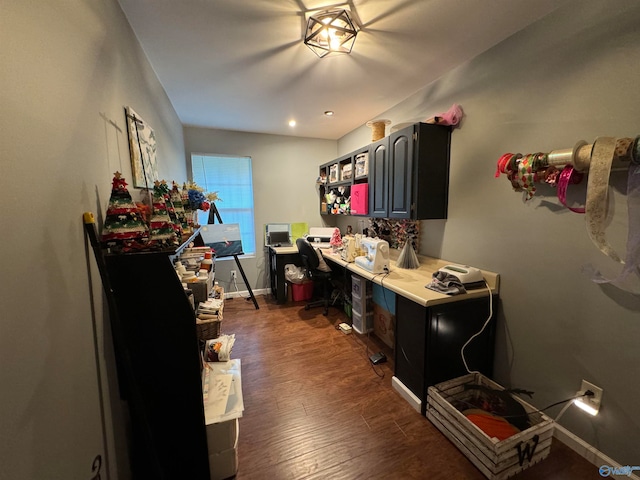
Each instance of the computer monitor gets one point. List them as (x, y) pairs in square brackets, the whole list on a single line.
[(279, 238)]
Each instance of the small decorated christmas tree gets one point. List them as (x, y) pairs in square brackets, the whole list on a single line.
[(124, 228), (188, 211), (162, 233), (166, 193), (178, 206)]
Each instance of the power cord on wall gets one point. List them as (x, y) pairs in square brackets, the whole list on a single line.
[(587, 393), (478, 333)]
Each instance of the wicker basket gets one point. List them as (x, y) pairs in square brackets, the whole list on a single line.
[(208, 329), (208, 326)]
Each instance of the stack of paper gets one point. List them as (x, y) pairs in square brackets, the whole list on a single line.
[(222, 391)]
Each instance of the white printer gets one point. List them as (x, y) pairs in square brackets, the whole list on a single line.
[(320, 236)]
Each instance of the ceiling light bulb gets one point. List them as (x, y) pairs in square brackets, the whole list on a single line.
[(329, 113), (292, 123)]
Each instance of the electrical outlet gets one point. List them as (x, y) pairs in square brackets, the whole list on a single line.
[(593, 401), (233, 274)]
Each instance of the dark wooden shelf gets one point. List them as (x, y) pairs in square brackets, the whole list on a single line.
[(158, 361)]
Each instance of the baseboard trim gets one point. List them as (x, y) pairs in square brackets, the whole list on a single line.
[(407, 394), (588, 452), (245, 293)]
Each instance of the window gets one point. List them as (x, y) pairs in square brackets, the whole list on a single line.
[(231, 178)]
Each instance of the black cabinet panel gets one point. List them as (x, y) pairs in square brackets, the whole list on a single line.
[(450, 326), (431, 171), (158, 362), (429, 342), (411, 334)]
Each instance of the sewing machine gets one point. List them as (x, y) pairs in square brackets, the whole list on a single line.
[(376, 257), (350, 247)]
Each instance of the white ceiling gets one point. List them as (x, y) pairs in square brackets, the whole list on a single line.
[(241, 64)]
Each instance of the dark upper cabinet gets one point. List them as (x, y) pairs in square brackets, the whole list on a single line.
[(400, 173), (379, 178), (410, 173), (407, 174)]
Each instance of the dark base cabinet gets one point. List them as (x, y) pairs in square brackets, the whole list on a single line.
[(429, 340), (159, 369), (277, 280)]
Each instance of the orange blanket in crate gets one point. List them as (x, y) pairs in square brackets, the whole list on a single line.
[(490, 424)]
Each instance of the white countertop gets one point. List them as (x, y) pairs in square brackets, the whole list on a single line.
[(410, 283)]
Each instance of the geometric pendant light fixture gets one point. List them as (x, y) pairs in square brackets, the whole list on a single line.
[(330, 31)]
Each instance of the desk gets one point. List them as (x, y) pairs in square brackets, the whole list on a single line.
[(278, 258), (432, 327), (410, 284)]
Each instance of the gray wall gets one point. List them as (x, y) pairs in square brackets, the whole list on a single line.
[(284, 174), (574, 75), (68, 70)]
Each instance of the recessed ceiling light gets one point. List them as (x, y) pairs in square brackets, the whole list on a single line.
[(292, 123), (329, 113)]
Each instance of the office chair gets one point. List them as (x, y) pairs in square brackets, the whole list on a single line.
[(311, 263)]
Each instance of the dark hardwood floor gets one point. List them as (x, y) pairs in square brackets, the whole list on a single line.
[(315, 407)]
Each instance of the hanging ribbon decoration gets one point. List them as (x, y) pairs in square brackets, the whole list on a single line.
[(630, 275), (562, 168), (597, 194), (568, 176)]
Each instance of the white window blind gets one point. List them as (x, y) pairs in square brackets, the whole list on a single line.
[(231, 178)]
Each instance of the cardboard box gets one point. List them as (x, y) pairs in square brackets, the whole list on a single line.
[(496, 459), (222, 436), (224, 464), (384, 325), (384, 314)]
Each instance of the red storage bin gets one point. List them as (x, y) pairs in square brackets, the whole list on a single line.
[(302, 291)]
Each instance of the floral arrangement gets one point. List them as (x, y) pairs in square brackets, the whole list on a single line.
[(197, 198)]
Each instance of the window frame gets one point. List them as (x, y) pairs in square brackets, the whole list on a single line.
[(211, 187)]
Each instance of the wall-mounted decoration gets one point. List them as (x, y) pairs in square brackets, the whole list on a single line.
[(142, 148), (396, 232), (561, 168)]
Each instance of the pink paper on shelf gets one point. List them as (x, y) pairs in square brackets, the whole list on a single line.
[(360, 198)]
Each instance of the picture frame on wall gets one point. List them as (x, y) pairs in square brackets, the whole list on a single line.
[(142, 149)]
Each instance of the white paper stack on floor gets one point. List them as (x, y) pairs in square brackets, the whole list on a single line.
[(222, 391)]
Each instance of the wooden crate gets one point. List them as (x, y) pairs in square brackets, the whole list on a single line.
[(495, 459)]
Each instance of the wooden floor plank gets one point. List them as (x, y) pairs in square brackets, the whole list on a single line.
[(315, 407)]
